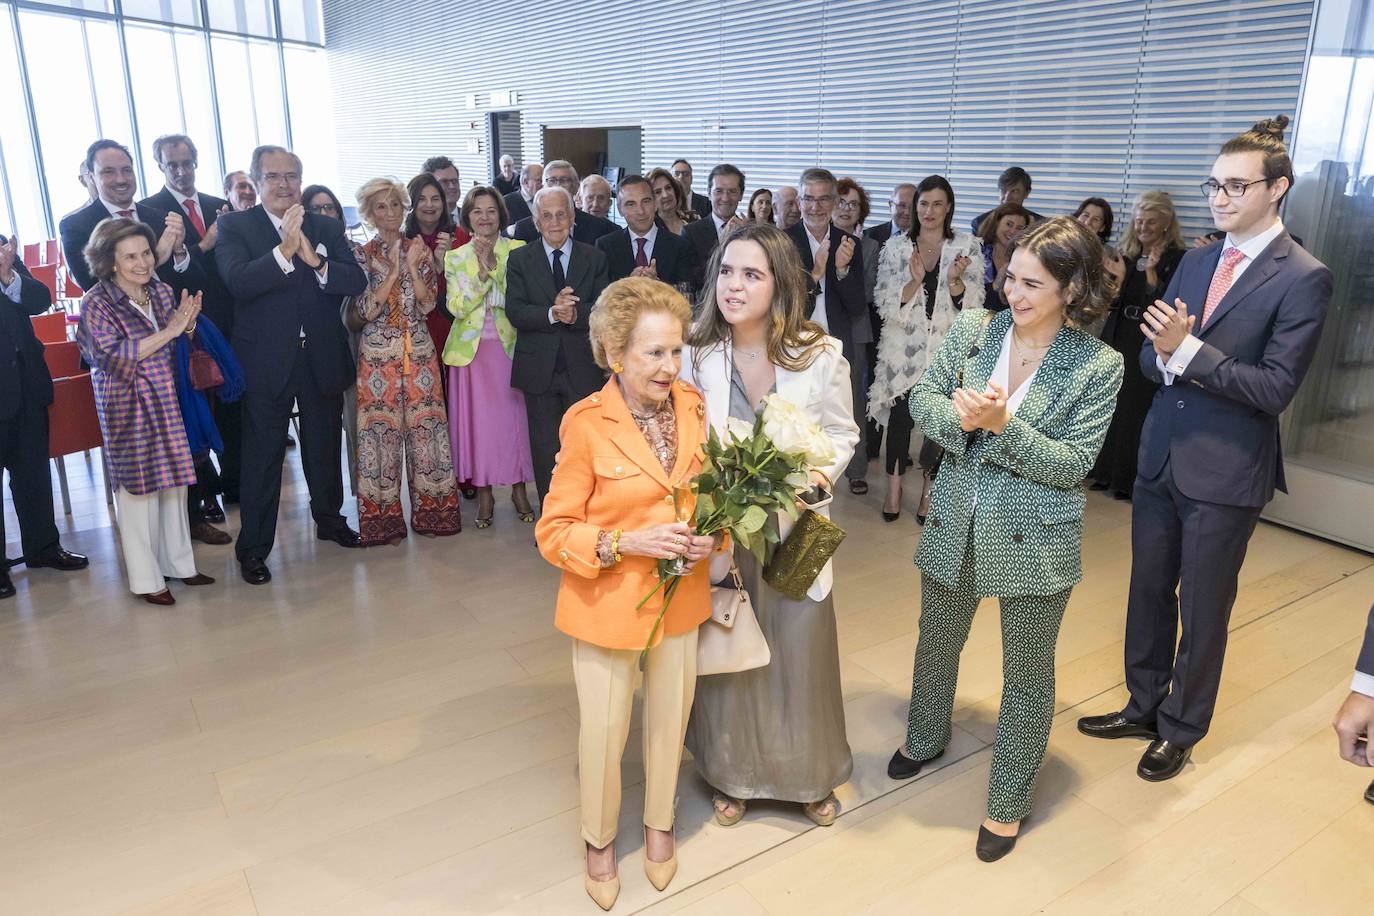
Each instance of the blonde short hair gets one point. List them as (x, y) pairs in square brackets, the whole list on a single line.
[(372, 192), (617, 313)]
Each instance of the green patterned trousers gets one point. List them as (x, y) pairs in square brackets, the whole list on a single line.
[(1030, 629)]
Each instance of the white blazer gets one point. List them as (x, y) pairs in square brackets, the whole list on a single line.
[(823, 392)]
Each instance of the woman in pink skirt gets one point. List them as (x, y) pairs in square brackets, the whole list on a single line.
[(486, 416)]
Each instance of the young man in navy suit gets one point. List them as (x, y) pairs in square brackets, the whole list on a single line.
[(288, 271), (643, 248), (1229, 345)]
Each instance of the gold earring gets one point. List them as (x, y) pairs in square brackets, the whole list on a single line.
[(617, 368)]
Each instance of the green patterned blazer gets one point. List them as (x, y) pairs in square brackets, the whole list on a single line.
[(1027, 483), (467, 296)]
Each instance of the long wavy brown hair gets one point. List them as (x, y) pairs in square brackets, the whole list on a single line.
[(793, 341)]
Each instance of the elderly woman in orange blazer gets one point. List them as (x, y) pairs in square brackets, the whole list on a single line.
[(608, 519)]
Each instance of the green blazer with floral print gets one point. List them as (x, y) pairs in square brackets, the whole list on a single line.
[(1025, 486), (467, 296)]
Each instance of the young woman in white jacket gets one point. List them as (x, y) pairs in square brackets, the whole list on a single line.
[(775, 732)]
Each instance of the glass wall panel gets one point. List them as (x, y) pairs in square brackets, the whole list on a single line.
[(184, 12), (312, 117), (251, 111), (171, 84), (301, 20), (22, 196), (248, 17)]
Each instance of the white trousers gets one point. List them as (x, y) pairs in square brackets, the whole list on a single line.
[(605, 681), (156, 537)]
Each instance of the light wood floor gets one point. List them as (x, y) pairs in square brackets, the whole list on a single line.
[(393, 731)]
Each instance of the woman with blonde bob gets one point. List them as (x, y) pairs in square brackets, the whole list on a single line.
[(401, 409), (1152, 246), (776, 732), (1020, 400), (608, 519)]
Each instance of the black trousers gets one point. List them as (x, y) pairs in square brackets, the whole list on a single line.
[(1197, 548), (265, 422), (857, 468), (545, 413), (204, 490), (899, 427), (24, 453), (229, 420)]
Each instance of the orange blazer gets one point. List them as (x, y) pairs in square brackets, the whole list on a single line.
[(606, 478)]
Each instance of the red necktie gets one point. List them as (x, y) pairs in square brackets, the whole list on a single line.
[(194, 213), (1221, 282), (641, 259), (127, 214)]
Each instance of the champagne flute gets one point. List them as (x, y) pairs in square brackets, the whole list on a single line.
[(684, 508)]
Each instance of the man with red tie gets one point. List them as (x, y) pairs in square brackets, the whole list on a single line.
[(1228, 345), (176, 157)]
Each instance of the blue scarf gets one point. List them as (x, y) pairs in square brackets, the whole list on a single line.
[(201, 433)]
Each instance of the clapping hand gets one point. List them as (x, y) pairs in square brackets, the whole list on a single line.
[(987, 410), (956, 268), (184, 318), (173, 235), (1167, 327), (415, 254), (565, 306), (650, 271), (916, 265), (485, 249), (822, 258), (291, 238), (207, 243), (844, 254)]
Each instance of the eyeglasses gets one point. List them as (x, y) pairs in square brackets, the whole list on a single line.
[(1233, 188), (323, 208), (844, 204), (282, 178), (809, 201)]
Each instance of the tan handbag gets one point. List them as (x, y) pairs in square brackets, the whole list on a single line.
[(731, 641)]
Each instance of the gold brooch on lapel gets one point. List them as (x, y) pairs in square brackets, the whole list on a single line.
[(701, 410)]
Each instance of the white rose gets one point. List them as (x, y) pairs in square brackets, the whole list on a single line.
[(820, 451), (786, 426), (738, 430)]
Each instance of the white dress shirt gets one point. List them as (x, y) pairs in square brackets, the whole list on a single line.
[(1251, 249), (649, 238), (566, 248), (1363, 683), (818, 313), (179, 262)]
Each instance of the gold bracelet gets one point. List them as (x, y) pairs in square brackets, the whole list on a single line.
[(615, 545)]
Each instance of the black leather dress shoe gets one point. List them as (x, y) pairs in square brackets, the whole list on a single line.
[(254, 571), (903, 767), (1368, 793), (6, 584), (1162, 760), (213, 514), (992, 847), (343, 535), (1115, 725), (59, 559)]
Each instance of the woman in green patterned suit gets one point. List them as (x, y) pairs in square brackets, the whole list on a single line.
[(1021, 401)]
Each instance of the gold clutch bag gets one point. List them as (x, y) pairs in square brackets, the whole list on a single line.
[(799, 559)]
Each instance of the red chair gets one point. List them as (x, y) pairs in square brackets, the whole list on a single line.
[(47, 275), (70, 289), (73, 426), (32, 254), (51, 252), (63, 358), (50, 328)]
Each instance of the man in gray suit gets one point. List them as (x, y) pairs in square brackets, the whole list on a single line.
[(1228, 345), (1355, 721)]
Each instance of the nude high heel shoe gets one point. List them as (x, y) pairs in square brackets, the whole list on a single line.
[(660, 874), (603, 893)]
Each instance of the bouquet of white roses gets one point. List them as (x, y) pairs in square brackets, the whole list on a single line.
[(760, 469)]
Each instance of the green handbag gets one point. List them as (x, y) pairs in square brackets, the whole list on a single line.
[(800, 558)]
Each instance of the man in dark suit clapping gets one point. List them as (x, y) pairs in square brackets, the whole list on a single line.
[(176, 156), (288, 271), (551, 286), (25, 393), (1229, 345), (643, 249)]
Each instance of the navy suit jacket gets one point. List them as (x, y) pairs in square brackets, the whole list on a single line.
[(516, 207), (673, 258), (586, 228), (1365, 665), (19, 345), (529, 296), (76, 230), (880, 233), (701, 235), (845, 300), (1218, 423), (272, 308), (702, 204), (216, 301)]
